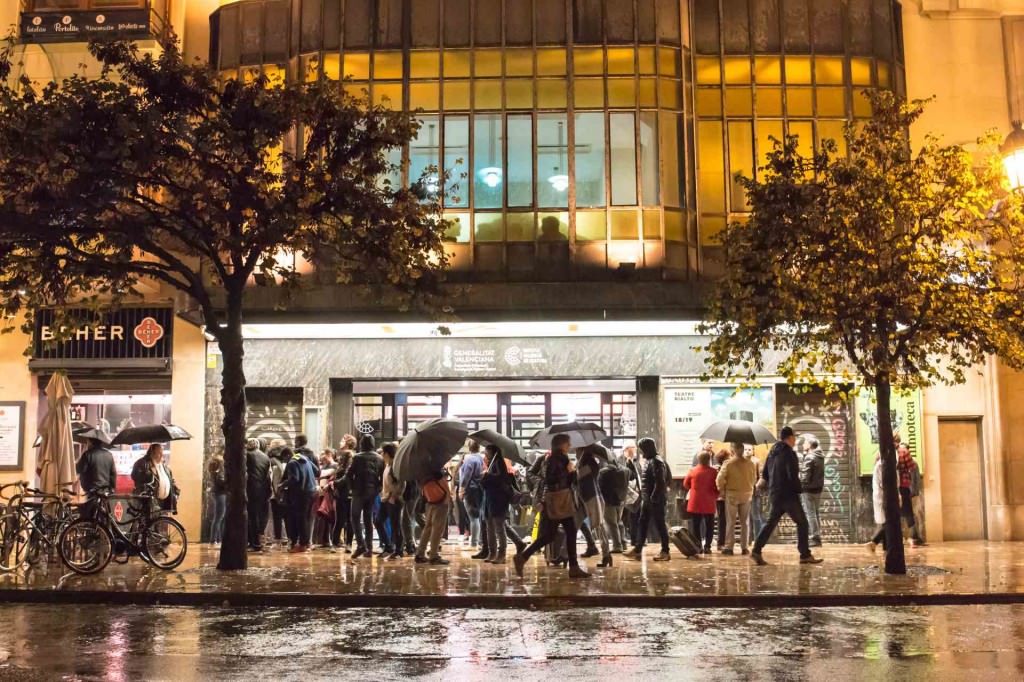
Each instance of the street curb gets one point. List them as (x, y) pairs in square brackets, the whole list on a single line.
[(496, 601)]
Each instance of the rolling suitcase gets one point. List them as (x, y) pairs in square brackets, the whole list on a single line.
[(685, 542)]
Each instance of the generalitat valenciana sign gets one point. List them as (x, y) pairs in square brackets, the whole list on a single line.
[(128, 333)]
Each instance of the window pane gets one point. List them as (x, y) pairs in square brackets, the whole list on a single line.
[(553, 227), (459, 230), (860, 71), (769, 101), (645, 20), (424, 96), (670, 157), (356, 66), (591, 226), (860, 26), (668, 21), (706, 26), (487, 161), (550, 22), (519, 22), (387, 65), (456, 159), (588, 62), (388, 95), (551, 94), (389, 23), (519, 93), (423, 153), (456, 95), (798, 101), (490, 227), (652, 224), (520, 160), (487, 63), (736, 26), (882, 28), (552, 160), (621, 92), (587, 20), (551, 62), (741, 158), (456, 63), (767, 70), (620, 60), (487, 94), (712, 167), (393, 175), (358, 20), (488, 22), (590, 159), (649, 157), (648, 92), (619, 22), (828, 26), (708, 71), (795, 30), (623, 158), (737, 70), (668, 61), (798, 70), (833, 130), (738, 102), (424, 21), (519, 62), (624, 225), (646, 55), (765, 25), (767, 133), (424, 64), (828, 70), (589, 93), (519, 227), (831, 102), (456, 23)]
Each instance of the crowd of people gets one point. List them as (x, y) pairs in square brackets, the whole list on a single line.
[(341, 500)]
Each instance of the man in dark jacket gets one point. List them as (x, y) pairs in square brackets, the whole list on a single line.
[(302, 448), (654, 495), (365, 477), (781, 477), (613, 483), (299, 485), (96, 469), (257, 487), (812, 482)]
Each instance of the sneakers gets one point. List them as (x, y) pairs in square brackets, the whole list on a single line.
[(663, 556), (758, 559), (810, 559), (500, 559), (633, 553), (577, 572), (394, 557), (519, 560), (438, 561)]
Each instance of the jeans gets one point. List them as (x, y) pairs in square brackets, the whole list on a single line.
[(757, 515), (298, 517), (595, 514), (652, 512), (362, 521), (433, 527), (220, 508), (497, 543), (279, 511), (810, 503), (703, 527), (342, 521), (720, 522), (736, 511), (613, 525), (257, 520), (474, 527), (790, 506), (407, 526), (548, 531), (392, 513)]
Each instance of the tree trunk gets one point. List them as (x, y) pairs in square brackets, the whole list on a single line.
[(895, 562), (233, 554)]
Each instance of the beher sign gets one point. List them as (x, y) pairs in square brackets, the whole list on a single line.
[(128, 333), (78, 26)]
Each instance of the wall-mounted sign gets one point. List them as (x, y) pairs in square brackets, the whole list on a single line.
[(82, 26), (907, 421), (128, 333), (12, 442)]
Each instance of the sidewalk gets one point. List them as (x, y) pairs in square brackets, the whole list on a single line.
[(949, 573)]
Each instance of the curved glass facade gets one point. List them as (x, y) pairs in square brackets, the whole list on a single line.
[(561, 123)]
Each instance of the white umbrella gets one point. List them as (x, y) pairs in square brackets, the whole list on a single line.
[(56, 451)]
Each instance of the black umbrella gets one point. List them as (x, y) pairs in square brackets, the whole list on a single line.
[(738, 431), (428, 447), (151, 433), (85, 435), (509, 448), (600, 452), (581, 434)]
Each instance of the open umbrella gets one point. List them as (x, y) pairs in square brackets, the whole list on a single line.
[(428, 447), (86, 435), (509, 448), (581, 434), (151, 433), (738, 431), (56, 449)]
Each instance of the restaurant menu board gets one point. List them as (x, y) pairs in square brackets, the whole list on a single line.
[(12, 427)]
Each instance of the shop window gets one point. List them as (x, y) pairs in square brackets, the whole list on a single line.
[(458, 229), (490, 227), (518, 22), (735, 27), (551, 62), (622, 134), (621, 60), (672, 169), (486, 94), (456, 63), (649, 158), (424, 20), (769, 101), (711, 165), (358, 20), (739, 102), (741, 156), (456, 95), (488, 180), (456, 23), (588, 18), (552, 160), (519, 62), (648, 92), (619, 22), (423, 154), (551, 94), (424, 96), (424, 64), (456, 159), (519, 227), (590, 159), (669, 25), (624, 225), (652, 224), (589, 93), (621, 92), (519, 93), (591, 226), (520, 160), (549, 20), (588, 62), (487, 63), (488, 22), (552, 227)]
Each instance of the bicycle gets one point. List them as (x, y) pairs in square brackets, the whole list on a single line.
[(30, 521), (89, 543)]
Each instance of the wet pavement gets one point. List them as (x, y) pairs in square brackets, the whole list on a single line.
[(180, 643), (938, 574)]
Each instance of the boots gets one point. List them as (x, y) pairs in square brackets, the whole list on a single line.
[(606, 561), (577, 572), (591, 551), (499, 559), (482, 554)]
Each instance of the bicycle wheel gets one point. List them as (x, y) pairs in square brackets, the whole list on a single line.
[(164, 543), (85, 546), (14, 542)]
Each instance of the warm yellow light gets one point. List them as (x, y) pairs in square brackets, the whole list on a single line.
[(1013, 157)]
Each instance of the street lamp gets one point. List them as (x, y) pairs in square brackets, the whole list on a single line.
[(1012, 151)]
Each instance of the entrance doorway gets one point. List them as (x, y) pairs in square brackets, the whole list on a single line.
[(963, 492)]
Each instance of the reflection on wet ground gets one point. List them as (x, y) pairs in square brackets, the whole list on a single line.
[(947, 568), (154, 643)]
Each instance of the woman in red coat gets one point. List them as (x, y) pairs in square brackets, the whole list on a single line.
[(702, 504)]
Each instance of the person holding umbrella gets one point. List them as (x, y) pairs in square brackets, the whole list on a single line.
[(557, 506), (150, 474)]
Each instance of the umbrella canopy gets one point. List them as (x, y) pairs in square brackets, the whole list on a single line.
[(509, 448), (151, 433), (56, 449), (600, 452), (737, 431), (581, 434), (428, 447), (92, 434)]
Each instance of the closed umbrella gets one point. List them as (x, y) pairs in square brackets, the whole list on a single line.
[(581, 434), (56, 449), (738, 431), (428, 447), (151, 433), (509, 448)]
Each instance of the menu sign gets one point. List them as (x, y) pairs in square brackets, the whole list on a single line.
[(82, 26), (12, 428)]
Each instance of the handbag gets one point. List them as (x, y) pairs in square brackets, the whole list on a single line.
[(326, 507), (632, 499), (559, 504)]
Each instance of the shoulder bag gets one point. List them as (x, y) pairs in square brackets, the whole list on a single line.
[(559, 504)]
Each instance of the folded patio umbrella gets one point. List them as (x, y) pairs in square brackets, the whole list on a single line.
[(56, 448), (738, 431), (151, 433), (581, 434), (509, 448), (428, 447)]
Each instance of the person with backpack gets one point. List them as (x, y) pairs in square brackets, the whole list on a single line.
[(437, 495), (472, 494), (654, 499), (364, 478), (613, 484), (299, 487)]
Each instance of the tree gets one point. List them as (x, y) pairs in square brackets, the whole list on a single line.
[(895, 268), (157, 171)]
